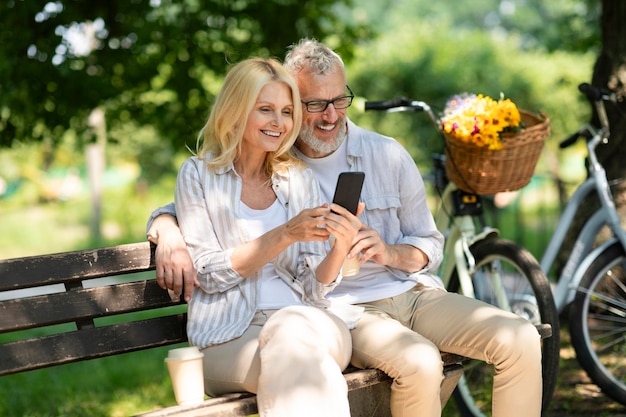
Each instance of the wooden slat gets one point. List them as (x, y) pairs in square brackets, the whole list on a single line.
[(451, 358), (229, 405), (91, 343), (359, 378), (84, 303), (67, 267), (244, 404)]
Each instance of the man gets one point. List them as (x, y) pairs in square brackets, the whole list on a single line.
[(408, 317)]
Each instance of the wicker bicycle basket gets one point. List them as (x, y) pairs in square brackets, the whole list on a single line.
[(483, 171)]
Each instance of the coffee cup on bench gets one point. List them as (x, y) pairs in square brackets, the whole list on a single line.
[(185, 369)]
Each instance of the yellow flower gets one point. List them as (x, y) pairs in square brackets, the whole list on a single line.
[(479, 119)]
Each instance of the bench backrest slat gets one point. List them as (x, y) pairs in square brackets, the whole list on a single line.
[(91, 343), (73, 297), (83, 303), (33, 271)]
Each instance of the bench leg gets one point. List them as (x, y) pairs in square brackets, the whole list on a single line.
[(371, 401), (452, 375)]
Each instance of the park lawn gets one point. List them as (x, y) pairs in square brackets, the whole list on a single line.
[(115, 386)]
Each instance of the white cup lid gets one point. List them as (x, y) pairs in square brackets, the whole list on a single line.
[(190, 352)]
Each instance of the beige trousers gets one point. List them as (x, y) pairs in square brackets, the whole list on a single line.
[(402, 336), (291, 358)]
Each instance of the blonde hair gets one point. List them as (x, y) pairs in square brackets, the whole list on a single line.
[(222, 135)]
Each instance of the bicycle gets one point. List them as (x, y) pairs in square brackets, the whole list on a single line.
[(593, 280), (479, 264)]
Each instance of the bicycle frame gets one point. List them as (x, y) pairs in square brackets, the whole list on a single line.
[(582, 255), (460, 234)]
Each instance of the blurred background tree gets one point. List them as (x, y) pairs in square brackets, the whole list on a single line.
[(147, 69), (155, 63), (153, 68)]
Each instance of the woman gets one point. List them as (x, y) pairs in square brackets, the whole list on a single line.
[(250, 214)]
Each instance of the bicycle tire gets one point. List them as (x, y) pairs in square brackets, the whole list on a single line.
[(598, 321), (529, 295)]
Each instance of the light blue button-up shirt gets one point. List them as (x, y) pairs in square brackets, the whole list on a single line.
[(395, 206)]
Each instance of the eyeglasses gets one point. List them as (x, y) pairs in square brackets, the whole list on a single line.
[(318, 106)]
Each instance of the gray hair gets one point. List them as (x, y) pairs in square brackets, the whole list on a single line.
[(312, 55)]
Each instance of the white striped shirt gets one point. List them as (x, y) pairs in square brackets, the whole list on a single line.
[(208, 203)]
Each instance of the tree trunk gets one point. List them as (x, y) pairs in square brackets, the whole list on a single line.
[(609, 72)]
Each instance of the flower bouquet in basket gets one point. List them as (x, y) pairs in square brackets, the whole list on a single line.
[(491, 145)]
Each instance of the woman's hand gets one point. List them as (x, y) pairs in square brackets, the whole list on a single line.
[(308, 225), (344, 226)]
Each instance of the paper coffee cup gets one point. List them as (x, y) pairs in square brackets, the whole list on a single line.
[(186, 373), (350, 266)]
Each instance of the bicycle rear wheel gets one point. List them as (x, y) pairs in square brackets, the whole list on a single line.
[(529, 295), (598, 322)]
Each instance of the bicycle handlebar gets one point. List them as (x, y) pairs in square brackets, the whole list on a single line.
[(572, 139), (401, 104), (596, 93), (397, 104), (596, 96)]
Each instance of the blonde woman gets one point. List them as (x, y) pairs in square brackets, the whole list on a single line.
[(252, 219)]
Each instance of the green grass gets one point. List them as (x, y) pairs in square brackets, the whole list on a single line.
[(109, 387), (30, 228)]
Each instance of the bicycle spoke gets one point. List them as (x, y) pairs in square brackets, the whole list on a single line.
[(598, 322), (607, 346), (595, 296), (605, 305)]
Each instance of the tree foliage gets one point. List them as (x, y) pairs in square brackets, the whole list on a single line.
[(151, 62), (564, 25), (430, 52)]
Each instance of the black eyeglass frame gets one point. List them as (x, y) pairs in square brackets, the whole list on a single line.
[(328, 102)]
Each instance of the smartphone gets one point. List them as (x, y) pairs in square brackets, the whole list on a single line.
[(348, 190)]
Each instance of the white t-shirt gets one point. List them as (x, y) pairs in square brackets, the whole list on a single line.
[(272, 293), (374, 281)]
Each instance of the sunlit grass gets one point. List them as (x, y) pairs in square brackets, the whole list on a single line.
[(57, 226), (116, 386)]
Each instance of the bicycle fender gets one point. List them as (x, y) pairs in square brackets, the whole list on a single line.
[(582, 268), (486, 233)]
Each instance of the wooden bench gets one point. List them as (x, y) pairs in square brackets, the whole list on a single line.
[(72, 294)]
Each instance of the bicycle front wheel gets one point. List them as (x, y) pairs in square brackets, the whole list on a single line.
[(598, 322), (502, 265)]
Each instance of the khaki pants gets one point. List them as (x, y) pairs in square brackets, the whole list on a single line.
[(291, 358), (402, 336)]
